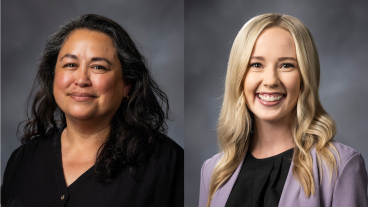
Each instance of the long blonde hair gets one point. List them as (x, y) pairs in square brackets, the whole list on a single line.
[(311, 125)]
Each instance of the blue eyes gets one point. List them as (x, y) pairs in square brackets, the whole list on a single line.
[(284, 65), (287, 65)]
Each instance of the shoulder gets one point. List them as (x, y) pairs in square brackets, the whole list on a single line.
[(22, 161), (168, 152), (206, 174), (349, 161), (344, 150), (345, 155), (32, 146), (209, 165), (167, 146), (351, 184), (166, 143)]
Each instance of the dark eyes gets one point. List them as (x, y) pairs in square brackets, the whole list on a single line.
[(72, 65), (99, 67), (284, 65)]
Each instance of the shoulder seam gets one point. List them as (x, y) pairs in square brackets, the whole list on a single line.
[(343, 167), (347, 147)]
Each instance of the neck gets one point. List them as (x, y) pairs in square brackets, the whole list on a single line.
[(84, 136), (271, 138)]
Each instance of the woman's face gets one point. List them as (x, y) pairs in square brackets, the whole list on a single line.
[(272, 81), (88, 82)]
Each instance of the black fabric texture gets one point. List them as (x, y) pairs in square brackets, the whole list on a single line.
[(260, 181), (34, 177)]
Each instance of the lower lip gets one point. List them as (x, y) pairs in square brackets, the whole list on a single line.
[(82, 98), (270, 103)]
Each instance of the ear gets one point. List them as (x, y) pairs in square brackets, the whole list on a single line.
[(127, 87)]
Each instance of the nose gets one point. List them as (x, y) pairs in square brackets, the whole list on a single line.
[(271, 78), (82, 77)]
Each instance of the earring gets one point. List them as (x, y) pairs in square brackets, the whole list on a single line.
[(126, 98)]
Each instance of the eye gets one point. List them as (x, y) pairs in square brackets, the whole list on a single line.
[(287, 65), (70, 65), (99, 67), (256, 65)]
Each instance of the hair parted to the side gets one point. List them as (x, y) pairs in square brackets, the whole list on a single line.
[(311, 127), (138, 123)]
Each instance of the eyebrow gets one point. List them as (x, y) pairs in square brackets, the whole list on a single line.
[(280, 58), (101, 59), (69, 56), (93, 59), (287, 58)]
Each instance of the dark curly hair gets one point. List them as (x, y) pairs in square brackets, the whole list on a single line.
[(137, 124)]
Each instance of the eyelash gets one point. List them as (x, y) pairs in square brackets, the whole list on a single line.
[(288, 65), (284, 64), (254, 65), (70, 65), (99, 67)]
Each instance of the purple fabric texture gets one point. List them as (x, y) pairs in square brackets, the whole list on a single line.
[(348, 190)]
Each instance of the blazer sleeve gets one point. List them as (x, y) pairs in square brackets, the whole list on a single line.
[(203, 192), (351, 184)]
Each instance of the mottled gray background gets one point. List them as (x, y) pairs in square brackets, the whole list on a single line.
[(158, 27), (340, 29)]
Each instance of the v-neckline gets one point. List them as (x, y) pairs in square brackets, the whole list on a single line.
[(59, 170)]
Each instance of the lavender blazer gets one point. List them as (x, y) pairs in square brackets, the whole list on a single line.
[(348, 190)]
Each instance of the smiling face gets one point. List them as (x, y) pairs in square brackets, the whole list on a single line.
[(88, 82), (272, 82)]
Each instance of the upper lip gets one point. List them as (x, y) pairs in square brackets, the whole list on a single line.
[(81, 94), (271, 93)]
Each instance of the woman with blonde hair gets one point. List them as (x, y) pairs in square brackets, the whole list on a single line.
[(275, 138)]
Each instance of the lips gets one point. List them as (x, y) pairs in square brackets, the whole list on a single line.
[(270, 99), (81, 97)]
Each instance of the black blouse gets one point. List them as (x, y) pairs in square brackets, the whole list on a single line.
[(260, 181), (34, 177)]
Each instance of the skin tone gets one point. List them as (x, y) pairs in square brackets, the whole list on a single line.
[(88, 88), (273, 71)]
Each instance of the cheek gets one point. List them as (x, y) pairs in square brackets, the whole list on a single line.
[(61, 81), (110, 86), (293, 85), (250, 86)]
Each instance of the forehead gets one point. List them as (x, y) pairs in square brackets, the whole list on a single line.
[(274, 41), (84, 40)]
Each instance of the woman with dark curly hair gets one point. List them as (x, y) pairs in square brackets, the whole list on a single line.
[(96, 131)]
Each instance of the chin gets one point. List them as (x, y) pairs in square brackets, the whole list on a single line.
[(81, 117), (270, 117), (79, 114)]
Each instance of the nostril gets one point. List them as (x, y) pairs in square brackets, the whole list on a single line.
[(83, 83)]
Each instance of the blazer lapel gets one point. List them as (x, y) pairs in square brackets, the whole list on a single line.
[(291, 190), (293, 193), (223, 193)]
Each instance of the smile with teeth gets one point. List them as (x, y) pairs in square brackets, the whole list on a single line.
[(270, 98)]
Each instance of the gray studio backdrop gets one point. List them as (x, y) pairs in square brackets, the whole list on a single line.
[(340, 30), (158, 27)]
